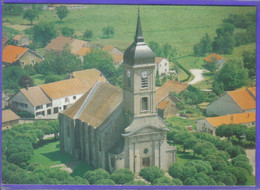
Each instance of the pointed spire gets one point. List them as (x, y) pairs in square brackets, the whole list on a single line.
[(139, 35)]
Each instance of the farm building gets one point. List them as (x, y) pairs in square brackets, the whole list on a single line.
[(210, 124), (9, 118), (162, 65), (116, 54), (215, 59), (237, 101)]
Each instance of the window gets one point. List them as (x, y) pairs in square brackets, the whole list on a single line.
[(145, 150), (145, 103), (144, 83), (55, 110), (40, 113), (39, 107), (64, 107), (49, 111), (146, 162), (74, 97), (49, 105)]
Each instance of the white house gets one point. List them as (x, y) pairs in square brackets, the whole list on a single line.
[(237, 101), (210, 124), (47, 100), (162, 65), (32, 100)]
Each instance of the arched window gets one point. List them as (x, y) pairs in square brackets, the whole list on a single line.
[(145, 103)]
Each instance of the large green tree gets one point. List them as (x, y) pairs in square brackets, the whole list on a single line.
[(204, 46), (43, 32), (108, 31), (249, 59), (62, 12), (31, 15)]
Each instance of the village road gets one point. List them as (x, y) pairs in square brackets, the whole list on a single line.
[(250, 153), (198, 77)]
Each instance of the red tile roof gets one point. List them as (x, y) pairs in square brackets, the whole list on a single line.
[(12, 53), (158, 60), (239, 118), (108, 48), (213, 57), (162, 105), (244, 98)]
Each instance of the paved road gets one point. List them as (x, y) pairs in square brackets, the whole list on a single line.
[(198, 77), (250, 153)]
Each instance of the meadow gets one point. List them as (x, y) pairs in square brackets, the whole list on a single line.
[(180, 26)]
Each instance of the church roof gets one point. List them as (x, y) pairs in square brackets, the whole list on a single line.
[(96, 105), (138, 52)]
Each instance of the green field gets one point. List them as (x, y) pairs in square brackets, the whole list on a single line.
[(180, 26)]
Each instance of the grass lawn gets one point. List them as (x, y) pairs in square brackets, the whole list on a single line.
[(191, 62), (177, 121), (49, 155), (186, 156), (180, 26), (38, 79)]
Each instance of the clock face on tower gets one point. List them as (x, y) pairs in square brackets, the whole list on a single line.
[(128, 74), (144, 74)]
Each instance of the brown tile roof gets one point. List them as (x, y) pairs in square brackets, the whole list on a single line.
[(89, 77), (169, 86), (158, 60), (96, 105), (117, 58), (243, 98), (59, 43), (108, 48), (214, 57), (82, 82), (162, 105), (9, 115), (12, 53), (239, 118), (64, 88), (35, 95), (252, 91), (76, 45), (83, 51)]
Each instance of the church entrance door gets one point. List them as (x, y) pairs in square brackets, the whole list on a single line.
[(146, 162)]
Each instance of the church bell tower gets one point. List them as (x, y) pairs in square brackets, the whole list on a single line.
[(139, 77)]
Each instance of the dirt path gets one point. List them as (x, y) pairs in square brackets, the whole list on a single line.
[(250, 153), (68, 166), (198, 77)]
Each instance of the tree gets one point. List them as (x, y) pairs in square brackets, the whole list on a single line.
[(204, 148), (249, 59), (43, 32), (108, 31), (54, 124), (193, 95), (62, 12), (190, 143), (226, 178), (136, 183), (225, 41), (204, 46), (12, 9), (216, 161), (88, 34), (102, 61), (232, 75), (122, 176), (175, 170), (239, 130), (25, 81), (224, 131), (251, 134), (104, 182), (67, 31), (242, 161), (95, 176), (11, 75), (156, 48), (151, 173), (163, 181), (31, 15)]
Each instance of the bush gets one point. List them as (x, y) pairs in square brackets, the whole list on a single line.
[(151, 173), (163, 181), (175, 170), (53, 78), (138, 182), (96, 176), (104, 182), (234, 151), (177, 181), (122, 176)]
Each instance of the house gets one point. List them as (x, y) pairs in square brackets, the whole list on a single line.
[(15, 55), (58, 44), (21, 40), (167, 102), (115, 53), (162, 65), (215, 59), (237, 101), (210, 124), (47, 100), (32, 100), (83, 52), (114, 129), (9, 118)]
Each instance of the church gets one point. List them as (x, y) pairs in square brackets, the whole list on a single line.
[(114, 128)]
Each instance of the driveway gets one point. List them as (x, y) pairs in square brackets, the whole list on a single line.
[(198, 77)]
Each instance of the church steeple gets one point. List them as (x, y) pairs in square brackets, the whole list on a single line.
[(139, 35)]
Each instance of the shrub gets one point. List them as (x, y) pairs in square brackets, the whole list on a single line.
[(163, 181), (177, 181), (122, 176), (94, 176), (138, 182), (175, 170), (104, 182), (151, 173)]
